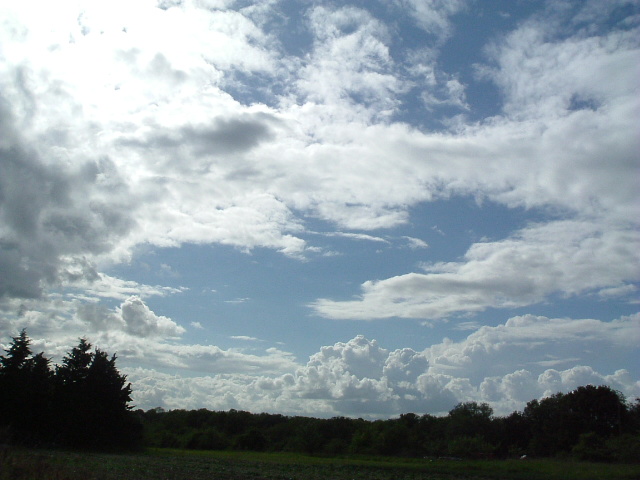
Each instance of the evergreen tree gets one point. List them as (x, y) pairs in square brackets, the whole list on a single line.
[(25, 392), (107, 401), (75, 366), (38, 398), (92, 399), (70, 390), (84, 404), (17, 355)]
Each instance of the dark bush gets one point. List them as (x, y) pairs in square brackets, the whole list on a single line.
[(592, 447)]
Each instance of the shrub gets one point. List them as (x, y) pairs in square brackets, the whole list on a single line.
[(625, 448), (592, 447)]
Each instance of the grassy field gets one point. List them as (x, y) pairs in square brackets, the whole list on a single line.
[(166, 464)]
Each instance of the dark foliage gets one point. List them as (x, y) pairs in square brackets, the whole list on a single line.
[(25, 391), (556, 423), (591, 423), (82, 403)]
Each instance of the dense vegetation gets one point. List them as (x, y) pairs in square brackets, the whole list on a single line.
[(85, 403), (590, 423), (82, 403)]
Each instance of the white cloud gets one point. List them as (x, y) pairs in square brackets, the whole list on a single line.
[(565, 257), (359, 377), (356, 236), (130, 125), (106, 286), (350, 59), (511, 392), (237, 301), (506, 365), (245, 338), (619, 291), (140, 320), (433, 15), (133, 316), (416, 243), (542, 75), (527, 341), (191, 164)]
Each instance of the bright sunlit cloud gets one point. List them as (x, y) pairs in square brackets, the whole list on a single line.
[(332, 209)]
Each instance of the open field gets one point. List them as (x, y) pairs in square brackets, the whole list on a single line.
[(199, 465)]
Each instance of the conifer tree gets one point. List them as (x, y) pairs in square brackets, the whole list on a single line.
[(25, 391), (17, 354), (85, 403), (108, 397), (92, 399)]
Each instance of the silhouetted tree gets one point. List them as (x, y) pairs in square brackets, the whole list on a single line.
[(13, 369), (72, 412), (25, 391), (557, 422), (17, 354), (597, 409), (514, 435), (547, 422), (92, 399), (470, 430), (107, 401), (632, 423), (470, 419), (336, 433)]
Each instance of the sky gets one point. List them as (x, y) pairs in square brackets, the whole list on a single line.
[(321, 208)]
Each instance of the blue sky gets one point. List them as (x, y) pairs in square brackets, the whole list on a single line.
[(326, 208)]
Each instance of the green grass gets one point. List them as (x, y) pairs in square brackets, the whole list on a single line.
[(199, 465)]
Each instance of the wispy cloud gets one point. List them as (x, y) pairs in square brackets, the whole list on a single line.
[(237, 301), (245, 338), (416, 243)]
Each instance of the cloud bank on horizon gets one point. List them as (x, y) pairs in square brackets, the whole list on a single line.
[(433, 202)]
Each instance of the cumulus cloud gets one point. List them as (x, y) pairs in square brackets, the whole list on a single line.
[(359, 377), (529, 341), (133, 316), (506, 365), (140, 320)]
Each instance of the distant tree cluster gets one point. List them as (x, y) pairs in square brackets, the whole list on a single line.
[(590, 423), (85, 403), (81, 403)]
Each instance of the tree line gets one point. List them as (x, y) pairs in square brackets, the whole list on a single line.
[(81, 403), (86, 403), (590, 423)]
